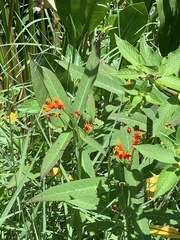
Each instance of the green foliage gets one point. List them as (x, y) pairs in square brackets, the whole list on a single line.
[(80, 19), (89, 107), (169, 17)]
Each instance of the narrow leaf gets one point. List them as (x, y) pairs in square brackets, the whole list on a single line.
[(87, 164), (166, 216), (127, 73), (54, 87), (136, 119), (93, 143), (88, 79), (104, 78), (157, 152), (72, 190), (55, 153)]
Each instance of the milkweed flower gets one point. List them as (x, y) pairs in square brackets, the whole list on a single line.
[(120, 153), (136, 138), (55, 104), (87, 127)]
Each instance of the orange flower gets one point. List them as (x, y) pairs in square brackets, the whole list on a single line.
[(56, 104), (48, 100), (128, 155), (136, 138), (118, 146), (87, 127), (120, 153)]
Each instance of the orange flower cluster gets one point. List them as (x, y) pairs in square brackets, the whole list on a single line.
[(55, 104), (120, 153), (136, 138)]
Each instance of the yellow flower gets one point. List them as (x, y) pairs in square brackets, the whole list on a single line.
[(13, 117), (56, 114), (128, 82)]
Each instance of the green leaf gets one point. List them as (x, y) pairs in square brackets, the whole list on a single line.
[(166, 180), (106, 81), (55, 153), (129, 27), (140, 223), (169, 81), (127, 73), (169, 17), (103, 225), (130, 53), (136, 100), (88, 79), (30, 176), (29, 106), (125, 25), (54, 87), (90, 141), (90, 107), (104, 78), (178, 134), (88, 203), (74, 190), (151, 57), (39, 87), (165, 112), (45, 84), (170, 64), (157, 152), (135, 184), (80, 17), (165, 216), (87, 164), (136, 119), (153, 98)]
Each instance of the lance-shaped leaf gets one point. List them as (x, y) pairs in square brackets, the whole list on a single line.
[(54, 86), (73, 190), (39, 87), (157, 152), (129, 52), (127, 73), (55, 153), (166, 180), (45, 83), (170, 64), (90, 141), (88, 79), (169, 81), (104, 79)]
